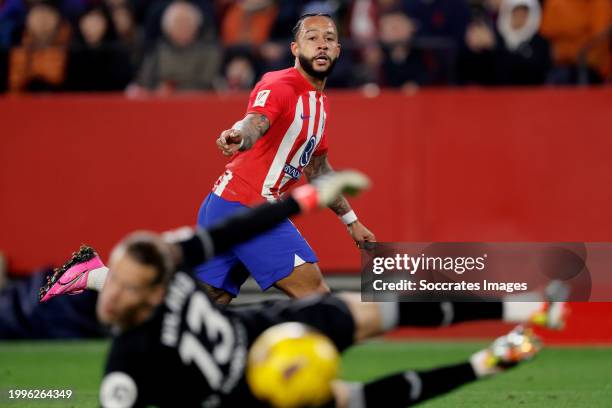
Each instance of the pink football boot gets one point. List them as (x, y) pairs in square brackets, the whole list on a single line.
[(71, 278)]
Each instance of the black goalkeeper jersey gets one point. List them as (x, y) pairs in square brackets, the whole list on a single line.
[(190, 353)]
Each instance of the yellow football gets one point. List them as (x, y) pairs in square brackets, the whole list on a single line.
[(291, 365)]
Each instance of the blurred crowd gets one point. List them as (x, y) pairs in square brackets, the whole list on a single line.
[(167, 46)]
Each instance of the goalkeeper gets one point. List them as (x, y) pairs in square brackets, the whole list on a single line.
[(173, 344)]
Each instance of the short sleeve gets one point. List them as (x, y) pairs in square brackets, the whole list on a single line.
[(322, 146), (271, 99)]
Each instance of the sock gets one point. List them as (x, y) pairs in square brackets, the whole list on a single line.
[(520, 312), (480, 365), (409, 387), (96, 278)]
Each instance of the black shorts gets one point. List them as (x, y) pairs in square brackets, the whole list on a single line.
[(326, 313)]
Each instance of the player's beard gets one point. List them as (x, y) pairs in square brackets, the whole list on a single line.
[(308, 66)]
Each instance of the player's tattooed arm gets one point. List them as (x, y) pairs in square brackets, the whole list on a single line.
[(318, 166), (252, 127), (243, 135)]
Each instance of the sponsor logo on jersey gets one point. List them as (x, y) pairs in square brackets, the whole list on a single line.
[(261, 98), (292, 171)]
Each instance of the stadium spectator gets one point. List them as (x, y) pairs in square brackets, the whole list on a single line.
[(39, 62), (97, 61), (363, 25), (180, 61), (11, 20), (514, 54), (439, 18), (152, 15), (363, 29), (18, 9), (523, 56), (129, 34), (248, 22), (488, 9), (274, 54), (239, 71), (439, 37), (402, 65), (570, 25), (13, 14)]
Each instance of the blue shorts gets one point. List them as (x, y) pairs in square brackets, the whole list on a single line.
[(268, 258)]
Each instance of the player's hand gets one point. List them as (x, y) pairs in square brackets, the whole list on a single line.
[(360, 233), (229, 141)]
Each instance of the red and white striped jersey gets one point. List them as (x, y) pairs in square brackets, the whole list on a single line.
[(297, 113)]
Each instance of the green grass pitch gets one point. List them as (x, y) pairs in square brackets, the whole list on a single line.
[(558, 377)]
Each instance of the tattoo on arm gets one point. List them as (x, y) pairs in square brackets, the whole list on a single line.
[(252, 127), (341, 206), (318, 166)]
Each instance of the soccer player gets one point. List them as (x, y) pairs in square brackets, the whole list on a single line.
[(174, 346), (281, 136)]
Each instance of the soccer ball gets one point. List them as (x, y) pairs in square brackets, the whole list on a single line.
[(291, 365)]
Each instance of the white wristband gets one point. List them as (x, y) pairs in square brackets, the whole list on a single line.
[(349, 218)]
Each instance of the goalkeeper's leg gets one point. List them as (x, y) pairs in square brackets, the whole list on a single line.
[(373, 319), (412, 387)]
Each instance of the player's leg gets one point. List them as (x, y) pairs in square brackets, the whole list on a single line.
[(346, 320), (223, 275), (373, 319), (23, 317), (343, 320), (306, 279), (219, 296), (281, 257), (85, 270), (408, 388)]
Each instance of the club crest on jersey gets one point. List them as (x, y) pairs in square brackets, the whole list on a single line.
[(261, 98), (308, 151)]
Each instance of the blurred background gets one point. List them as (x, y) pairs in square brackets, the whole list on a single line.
[(165, 46)]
